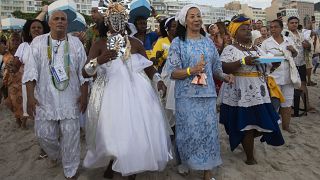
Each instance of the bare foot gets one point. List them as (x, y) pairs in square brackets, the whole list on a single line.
[(19, 122), (51, 163), (207, 175), (108, 173), (251, 162), (73, 177), (42, 155), (24, 123), (312, 110), (289, 130)]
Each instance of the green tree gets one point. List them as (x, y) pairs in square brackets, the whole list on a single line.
[(27, 16), (88, 19)]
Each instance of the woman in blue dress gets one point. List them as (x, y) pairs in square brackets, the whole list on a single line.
[(193, 61)]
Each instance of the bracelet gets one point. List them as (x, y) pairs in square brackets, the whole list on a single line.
[(243, 61), (157, 16), (91, 67), (188, 71)]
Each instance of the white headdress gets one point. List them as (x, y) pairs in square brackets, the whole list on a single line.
[(183, 13)]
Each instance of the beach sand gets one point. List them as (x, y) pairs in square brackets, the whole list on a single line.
[(298, 159)]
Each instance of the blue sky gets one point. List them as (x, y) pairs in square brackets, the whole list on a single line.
[(254, 3)]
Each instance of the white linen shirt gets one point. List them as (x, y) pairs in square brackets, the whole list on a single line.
[(282, 73), (297, 40), (55, 104)]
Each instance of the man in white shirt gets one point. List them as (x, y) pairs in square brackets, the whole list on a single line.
[(256, 33), (302, 45), (57, 92)]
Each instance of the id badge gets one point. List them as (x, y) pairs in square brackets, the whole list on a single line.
[(59, 73)]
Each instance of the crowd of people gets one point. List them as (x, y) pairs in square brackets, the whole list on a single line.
[(145, 98)]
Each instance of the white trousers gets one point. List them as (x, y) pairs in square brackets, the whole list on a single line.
[(67, 149)]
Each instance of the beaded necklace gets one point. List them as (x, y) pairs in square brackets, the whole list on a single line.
[(61, 86)]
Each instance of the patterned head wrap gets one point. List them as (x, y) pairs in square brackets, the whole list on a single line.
[(236, 23)]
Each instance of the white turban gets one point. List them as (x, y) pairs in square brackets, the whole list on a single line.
[(181, 17)]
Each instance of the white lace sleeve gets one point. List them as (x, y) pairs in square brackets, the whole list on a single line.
[(228, 54)]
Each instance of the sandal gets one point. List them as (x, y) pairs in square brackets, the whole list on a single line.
[(42, 155)]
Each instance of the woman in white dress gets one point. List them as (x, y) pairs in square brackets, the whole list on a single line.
[(126, 124)]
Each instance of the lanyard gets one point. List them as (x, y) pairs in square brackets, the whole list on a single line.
[(61, 86)]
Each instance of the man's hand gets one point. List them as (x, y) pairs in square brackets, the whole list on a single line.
[(83, 102), (162, 88), (32, 102), (306, 44)]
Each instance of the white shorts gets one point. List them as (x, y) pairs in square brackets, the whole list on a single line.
[(287, 91)]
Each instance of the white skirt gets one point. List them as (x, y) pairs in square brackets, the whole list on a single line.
[(132, 128)]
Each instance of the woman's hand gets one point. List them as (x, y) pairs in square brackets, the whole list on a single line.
[(107, 56), (229, 79), (198, 68), (251, 61), (162, 88), (291, 48)]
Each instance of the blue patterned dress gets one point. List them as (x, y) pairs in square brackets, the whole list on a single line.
[(196, 121)]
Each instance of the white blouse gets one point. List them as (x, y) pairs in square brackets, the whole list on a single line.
[(55, 104), (246, 91)]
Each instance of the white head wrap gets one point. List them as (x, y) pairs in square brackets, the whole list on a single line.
[(183, 13), (133, 29), (167, 21)]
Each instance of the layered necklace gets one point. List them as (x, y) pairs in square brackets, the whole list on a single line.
[(245, 46), (61, 86)]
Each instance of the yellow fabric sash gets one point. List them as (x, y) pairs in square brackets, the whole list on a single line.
[(274, 89)]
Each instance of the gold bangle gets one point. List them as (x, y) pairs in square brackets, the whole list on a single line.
[(188, 71), (157, 16)]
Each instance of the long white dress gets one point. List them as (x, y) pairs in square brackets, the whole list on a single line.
[(131, 128)]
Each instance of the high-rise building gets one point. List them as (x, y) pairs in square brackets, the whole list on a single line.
[(31, 6), (9, 6), (304, 8), (83, 6)]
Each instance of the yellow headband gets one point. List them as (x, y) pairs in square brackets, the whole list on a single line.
[(234, 26)]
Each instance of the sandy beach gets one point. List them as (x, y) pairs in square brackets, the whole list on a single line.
[(298, 159)]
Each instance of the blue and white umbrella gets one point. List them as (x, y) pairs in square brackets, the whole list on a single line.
[(68, 6), (79, 24), (12, 23)]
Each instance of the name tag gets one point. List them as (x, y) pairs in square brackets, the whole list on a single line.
[(59, 73)]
